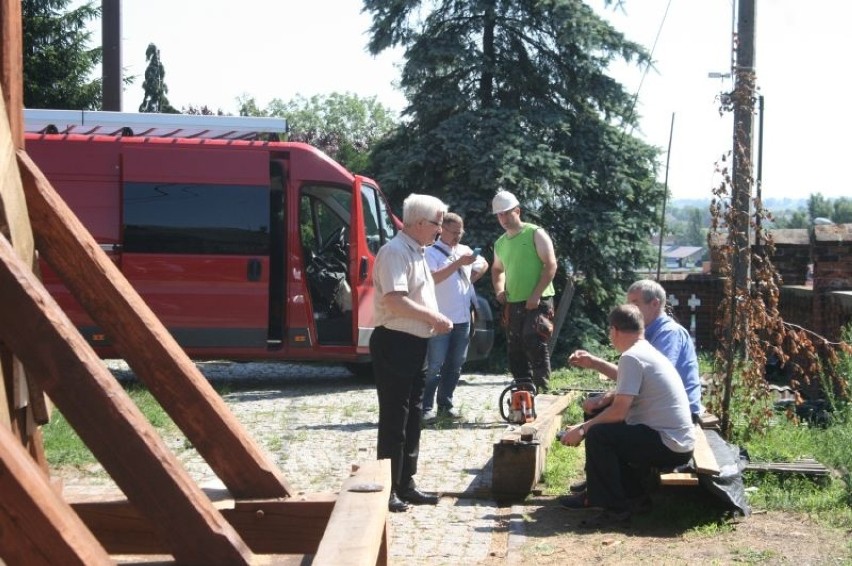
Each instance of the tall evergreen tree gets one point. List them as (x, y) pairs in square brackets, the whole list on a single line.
[(58, 62), (155, 99), (515, 94)]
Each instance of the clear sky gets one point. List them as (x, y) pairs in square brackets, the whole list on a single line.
[(217, 50)]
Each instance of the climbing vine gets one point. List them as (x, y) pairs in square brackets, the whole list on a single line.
[(749, 326)]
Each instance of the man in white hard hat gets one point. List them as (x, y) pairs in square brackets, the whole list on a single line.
[(522, 275)]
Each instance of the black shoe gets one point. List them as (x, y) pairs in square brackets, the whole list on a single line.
[(578, 487), (396, 505), (607, 519), (417, 497), (576, 501)]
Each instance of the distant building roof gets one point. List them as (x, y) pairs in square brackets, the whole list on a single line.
[(682, 252)]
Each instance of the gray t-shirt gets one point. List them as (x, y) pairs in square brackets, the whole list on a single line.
[(659, 400)]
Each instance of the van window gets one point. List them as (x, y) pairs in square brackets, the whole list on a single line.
[(378, 223), (189, 218)]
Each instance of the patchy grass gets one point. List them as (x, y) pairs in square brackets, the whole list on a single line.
[(63, 447)]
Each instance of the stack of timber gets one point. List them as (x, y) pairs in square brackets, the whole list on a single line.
[(521, 454), (805, 467)]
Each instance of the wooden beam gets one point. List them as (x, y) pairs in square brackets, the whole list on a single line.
[(146, 345), (702, 455), (357, 532), (23, 402), (36, 525), (12, 67), (105, 418), (279, 526), (520, 456)]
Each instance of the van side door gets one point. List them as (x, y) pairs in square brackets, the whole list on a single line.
[(196, 243), (375, 220)]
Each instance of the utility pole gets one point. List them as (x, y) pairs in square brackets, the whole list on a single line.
[(743, 102), (111, 45)]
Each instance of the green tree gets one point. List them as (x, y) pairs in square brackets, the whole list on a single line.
[(794, 219), (819, 207), (343, 125), (696, 229), (155, 99), (842, 210), (515, 94), (58, 62)]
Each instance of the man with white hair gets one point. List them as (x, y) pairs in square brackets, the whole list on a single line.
[(522, 276), (406, 315)]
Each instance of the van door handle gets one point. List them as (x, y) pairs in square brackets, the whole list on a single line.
[(362, 271), (254, 270)]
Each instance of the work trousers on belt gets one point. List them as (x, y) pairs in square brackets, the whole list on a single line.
[(399, 367), (529, 359)]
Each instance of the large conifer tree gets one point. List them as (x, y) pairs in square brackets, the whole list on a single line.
[(515, 94), (58, 61)]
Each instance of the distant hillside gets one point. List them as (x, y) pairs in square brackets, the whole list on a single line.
[(770, 203)]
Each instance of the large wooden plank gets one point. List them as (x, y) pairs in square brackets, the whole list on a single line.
[(104, 416), (36, 525), (275, 526), (357, 532), (25, 406), (519, 458), (146, 345), (12, 67), (702, 455)]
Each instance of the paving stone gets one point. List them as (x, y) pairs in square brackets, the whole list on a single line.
[(317, 421)]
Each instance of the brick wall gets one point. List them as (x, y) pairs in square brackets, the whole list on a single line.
[(832, 254), (792, 255), (688, 291)]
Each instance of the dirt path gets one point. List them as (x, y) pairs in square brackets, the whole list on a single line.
[(551, 536)]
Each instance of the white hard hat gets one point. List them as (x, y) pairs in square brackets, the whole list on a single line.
[(503, 201)]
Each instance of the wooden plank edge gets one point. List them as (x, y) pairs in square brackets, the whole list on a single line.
[(702, 455), (678, 478), (357, 531)]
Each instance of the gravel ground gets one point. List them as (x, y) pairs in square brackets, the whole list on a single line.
[(317, 421)]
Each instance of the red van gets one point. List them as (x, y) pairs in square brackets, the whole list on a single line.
[(245, 249)]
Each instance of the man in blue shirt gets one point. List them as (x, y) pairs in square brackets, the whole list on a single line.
[(666, 335)]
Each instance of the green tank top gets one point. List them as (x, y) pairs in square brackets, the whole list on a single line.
[(521, 264)]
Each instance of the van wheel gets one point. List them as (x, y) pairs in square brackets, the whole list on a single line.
[(363, 371)]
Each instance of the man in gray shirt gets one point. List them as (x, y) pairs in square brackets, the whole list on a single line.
[(647, 424)]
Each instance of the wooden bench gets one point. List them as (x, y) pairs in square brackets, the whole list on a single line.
[(703, 463)]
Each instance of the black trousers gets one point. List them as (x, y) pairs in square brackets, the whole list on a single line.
[(399, 361), (618, 457), (529, 359)]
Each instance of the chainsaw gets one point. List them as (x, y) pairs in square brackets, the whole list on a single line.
[(517, 402)]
